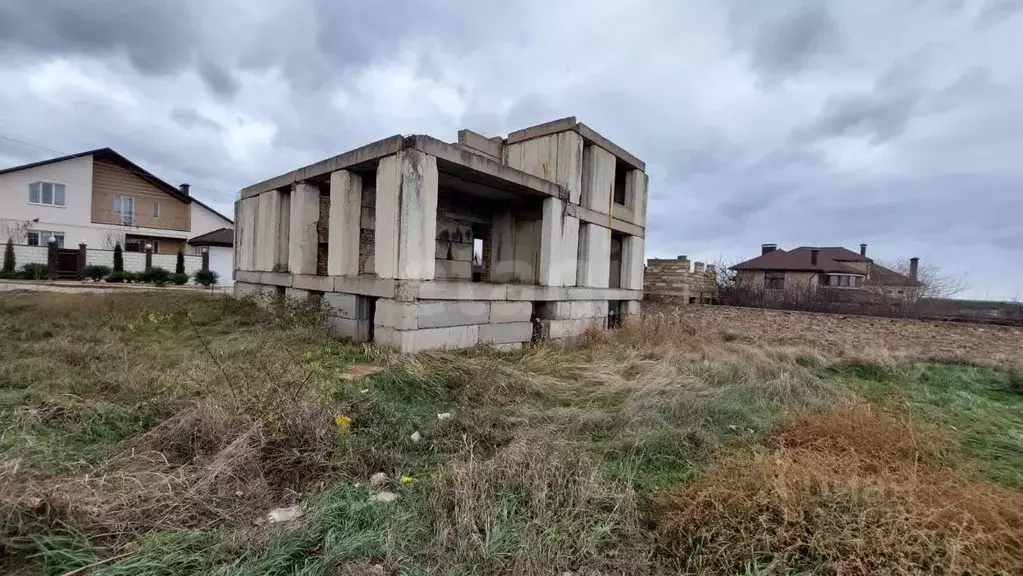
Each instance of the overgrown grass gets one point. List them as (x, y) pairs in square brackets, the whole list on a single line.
[(977, 405), (151, 434)]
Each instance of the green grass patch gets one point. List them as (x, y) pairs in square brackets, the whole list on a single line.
[(976, 405)]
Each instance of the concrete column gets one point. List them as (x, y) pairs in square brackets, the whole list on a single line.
[(305, 212), (632, 265), (247, 211), (594, 256), (559, 245), (636, 185), (598, 178), (271, 252), (502, 251), (345, 222), (570, 164), (406, 223)]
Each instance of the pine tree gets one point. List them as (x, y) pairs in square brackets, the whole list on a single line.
[(9, 265), (179, 267), (118, 258)]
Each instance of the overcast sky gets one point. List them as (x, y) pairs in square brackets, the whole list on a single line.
[(898, 123)]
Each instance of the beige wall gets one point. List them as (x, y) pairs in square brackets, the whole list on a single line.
[(861, 267), (793, 280), (109, 181)]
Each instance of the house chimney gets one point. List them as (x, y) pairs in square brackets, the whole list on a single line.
[(914, 265), (765, 248), (813, 256), (863, 249), (184, 188)]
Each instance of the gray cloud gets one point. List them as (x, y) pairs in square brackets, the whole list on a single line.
[(189, 118), (156, 36), (759, 121), (785, 40), (219, 80)]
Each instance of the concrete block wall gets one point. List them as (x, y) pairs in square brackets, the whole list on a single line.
[(453, 251), (425, 325), (30, 254), (680, 277)]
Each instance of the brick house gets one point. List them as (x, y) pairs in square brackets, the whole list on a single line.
[(827, 266)]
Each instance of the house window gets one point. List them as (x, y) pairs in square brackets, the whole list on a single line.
[(124, 209), (774, 280), (42, 238), (156, 208), (138, 244), (46, 193)]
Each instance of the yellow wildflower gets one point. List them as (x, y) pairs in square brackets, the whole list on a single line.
[(406, 480), (343, 423)]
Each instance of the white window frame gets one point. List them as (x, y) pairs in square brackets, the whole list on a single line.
[(43, 237), (156, 209), (56, 189), (127, 219)]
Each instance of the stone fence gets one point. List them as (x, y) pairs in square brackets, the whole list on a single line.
[(690, 282)]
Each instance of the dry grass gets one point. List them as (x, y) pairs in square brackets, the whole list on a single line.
[(164, 427), (536, 507), (852, 492)]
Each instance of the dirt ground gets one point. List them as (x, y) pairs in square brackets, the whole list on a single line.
[(859, 335)]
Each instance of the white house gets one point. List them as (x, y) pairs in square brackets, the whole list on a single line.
[(100, 198)]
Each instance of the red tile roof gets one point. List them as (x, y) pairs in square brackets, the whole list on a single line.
[(798, 260)]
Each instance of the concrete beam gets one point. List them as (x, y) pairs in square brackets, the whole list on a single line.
[(594, 256), (493, 148), (601, 219), (592, 137), (305, 212), (482, 170), (345, 222), (362, 157), (540, 130)]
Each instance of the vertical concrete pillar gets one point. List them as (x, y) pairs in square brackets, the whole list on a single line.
[(246, 234), (302, 243), (594, 256), (559, 245), (636, 184), (632, 263), (598, 178), (345, 222), (570, 164), (406, 222), (270, 251), (502, 251)]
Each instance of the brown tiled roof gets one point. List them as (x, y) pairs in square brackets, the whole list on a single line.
[(881, 276), (798, 260), (218, 237)]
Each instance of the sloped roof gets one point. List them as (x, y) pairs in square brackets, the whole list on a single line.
[(881, 276), (837, 253), (798, 260), (111, 156), (218, 237)]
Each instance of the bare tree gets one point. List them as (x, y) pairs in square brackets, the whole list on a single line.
[(16, 230), (112, 238), (936, 284)]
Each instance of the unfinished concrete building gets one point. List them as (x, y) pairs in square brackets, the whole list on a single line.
[(421, 244)]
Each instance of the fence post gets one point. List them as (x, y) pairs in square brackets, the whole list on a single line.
[(51, 258), (205, 258), (81, 260), (149, 256)]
